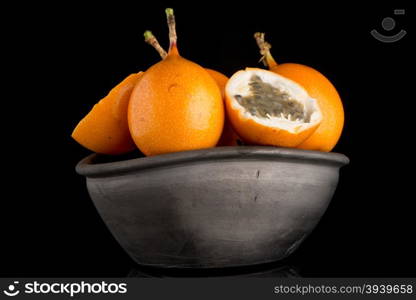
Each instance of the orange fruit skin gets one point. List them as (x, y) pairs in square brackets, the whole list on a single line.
[(104, 129), (319, 87), (219, 78), (176, 106), (228, 136)]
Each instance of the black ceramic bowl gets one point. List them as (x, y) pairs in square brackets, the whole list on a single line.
[(213, 208)]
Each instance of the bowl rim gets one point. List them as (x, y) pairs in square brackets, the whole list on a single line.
[(88, 168)]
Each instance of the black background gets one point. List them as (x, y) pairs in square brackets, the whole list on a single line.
[(66, 57)]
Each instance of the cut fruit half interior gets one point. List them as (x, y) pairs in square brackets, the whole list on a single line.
[(267, 108)]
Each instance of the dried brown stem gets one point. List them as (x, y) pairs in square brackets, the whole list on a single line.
[(152, 41), (265, 47), (172, 27)]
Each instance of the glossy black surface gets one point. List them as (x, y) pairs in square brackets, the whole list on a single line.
[(274, 270)]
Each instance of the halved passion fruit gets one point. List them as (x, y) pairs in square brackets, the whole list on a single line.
[(268, 109)]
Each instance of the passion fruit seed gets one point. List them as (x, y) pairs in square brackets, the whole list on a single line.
[(268, 101)]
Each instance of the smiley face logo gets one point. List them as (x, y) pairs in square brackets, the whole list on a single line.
[(389, 24), (11, 289)]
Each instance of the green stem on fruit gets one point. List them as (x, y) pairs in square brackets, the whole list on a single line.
[(264, 46), (172, 29), (152, 41)]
